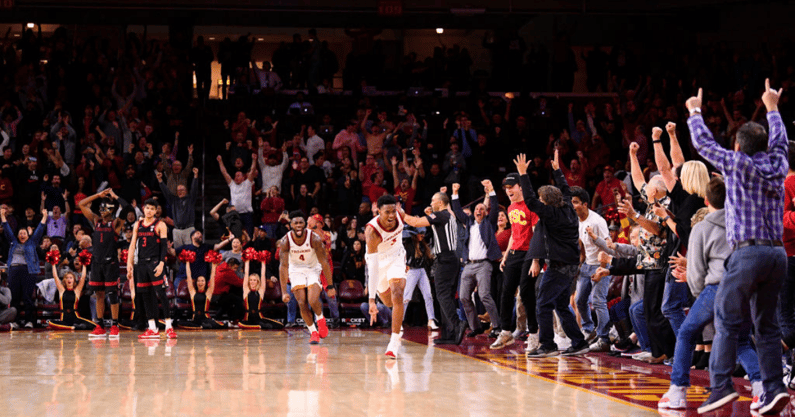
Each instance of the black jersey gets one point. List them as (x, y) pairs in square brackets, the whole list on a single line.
[(252, 306), (104, 241), (148, 241), (68, 306), (199, 306)]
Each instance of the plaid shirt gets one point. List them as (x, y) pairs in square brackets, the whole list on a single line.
[(754, 184)]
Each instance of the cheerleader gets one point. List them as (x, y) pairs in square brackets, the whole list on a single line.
[(69, 290), (200, 296), (253, 293)]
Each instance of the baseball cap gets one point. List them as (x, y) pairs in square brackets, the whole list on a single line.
[(318, 218), (511, 180)]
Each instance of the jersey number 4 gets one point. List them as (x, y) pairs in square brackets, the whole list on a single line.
[(301, 257)]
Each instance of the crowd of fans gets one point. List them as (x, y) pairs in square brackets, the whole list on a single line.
[(80, 118)]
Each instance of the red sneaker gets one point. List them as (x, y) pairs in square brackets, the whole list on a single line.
[(314, 339), (97, 333), (322, 329), (171, 334), (149, 334), (114, 332)]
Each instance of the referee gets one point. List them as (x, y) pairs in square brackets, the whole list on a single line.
[(447, 265)]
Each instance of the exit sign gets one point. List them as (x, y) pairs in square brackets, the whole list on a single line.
[(390, 8)]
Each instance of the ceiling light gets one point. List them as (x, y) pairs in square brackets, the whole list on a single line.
[(31, 25), (440, 30), (260, 39), (212, 38)]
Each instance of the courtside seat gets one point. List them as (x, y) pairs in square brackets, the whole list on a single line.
[(182, 303), (272, 301)]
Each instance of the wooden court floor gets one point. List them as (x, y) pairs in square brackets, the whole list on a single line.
[(241, 373)]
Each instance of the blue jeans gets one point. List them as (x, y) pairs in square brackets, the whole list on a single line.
[(749, 291), (701, 314), (292, 306), (554, 287), (333, 306), (675, 298), (786, 302), (418, 277), (638, 320), (597, 292)]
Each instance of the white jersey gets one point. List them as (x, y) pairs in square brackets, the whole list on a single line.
[(391, 245), (303, 256)]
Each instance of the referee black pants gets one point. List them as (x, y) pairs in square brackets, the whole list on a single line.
[(446, 278)]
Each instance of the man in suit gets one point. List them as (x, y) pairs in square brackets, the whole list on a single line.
[(479, 251)]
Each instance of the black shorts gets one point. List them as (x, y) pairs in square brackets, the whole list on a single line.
[(104, 276), (145, 274)]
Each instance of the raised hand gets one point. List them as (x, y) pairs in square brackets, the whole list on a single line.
[(770, 97), (670, 127), (456, 187), (487, 186), (196, 172), (633, 148), (556, 161), (656, 133), (443, 190), (159, 176), (521, 163), (190, 149), (695, 102)]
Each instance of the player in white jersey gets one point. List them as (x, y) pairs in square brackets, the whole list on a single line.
[(302, 257), (386, 265)]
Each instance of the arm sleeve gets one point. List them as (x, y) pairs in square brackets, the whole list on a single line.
[(777, 143), (602, 245), (560, 181), (696, 262), (455, 204), (530, 199), (705, 144), (494, 209), (622, 266)]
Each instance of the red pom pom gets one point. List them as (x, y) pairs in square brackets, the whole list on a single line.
[(85, 257), (250, 254), (187, 256), (213, 257), (53, 257), (124, 254), (264, 256)]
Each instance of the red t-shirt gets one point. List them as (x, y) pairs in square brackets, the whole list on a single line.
[(407, 196), (789, 216), (605, 190), (503, 238), (375, 191), (522, 222)]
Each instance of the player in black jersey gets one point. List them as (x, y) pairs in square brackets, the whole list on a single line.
[(150, 240), (105, 260)]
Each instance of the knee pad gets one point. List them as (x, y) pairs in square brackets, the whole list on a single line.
[(113, 295)]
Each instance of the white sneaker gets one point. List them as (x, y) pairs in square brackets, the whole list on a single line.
[(532, 342), (676, 397), (642, 356), (432, 325), (504, 339), (392, 350), (14, 325), (757, 389), (600, 346), (29, 325)]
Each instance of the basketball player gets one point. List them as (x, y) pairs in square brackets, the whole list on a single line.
[(315, 224), (150, 240), (306, 259), (386, 265), (105, 265)]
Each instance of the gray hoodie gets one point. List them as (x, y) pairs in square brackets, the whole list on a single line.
[(706, 252)]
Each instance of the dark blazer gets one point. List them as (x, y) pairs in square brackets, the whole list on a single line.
[(557, 231), (487, 228)]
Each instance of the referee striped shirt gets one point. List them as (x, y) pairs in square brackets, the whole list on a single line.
[(445, 231)]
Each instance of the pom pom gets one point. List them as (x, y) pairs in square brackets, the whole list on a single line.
[(250, 254), (264, 256), (124, 254), (187, 256), (53, 257), (85, 257), (213, 257)]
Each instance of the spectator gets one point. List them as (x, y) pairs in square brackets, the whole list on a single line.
[(183, 208), (23, 265), (228, 294), (240, 188)]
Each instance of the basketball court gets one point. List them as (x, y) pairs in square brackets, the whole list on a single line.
[(241, 373)]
